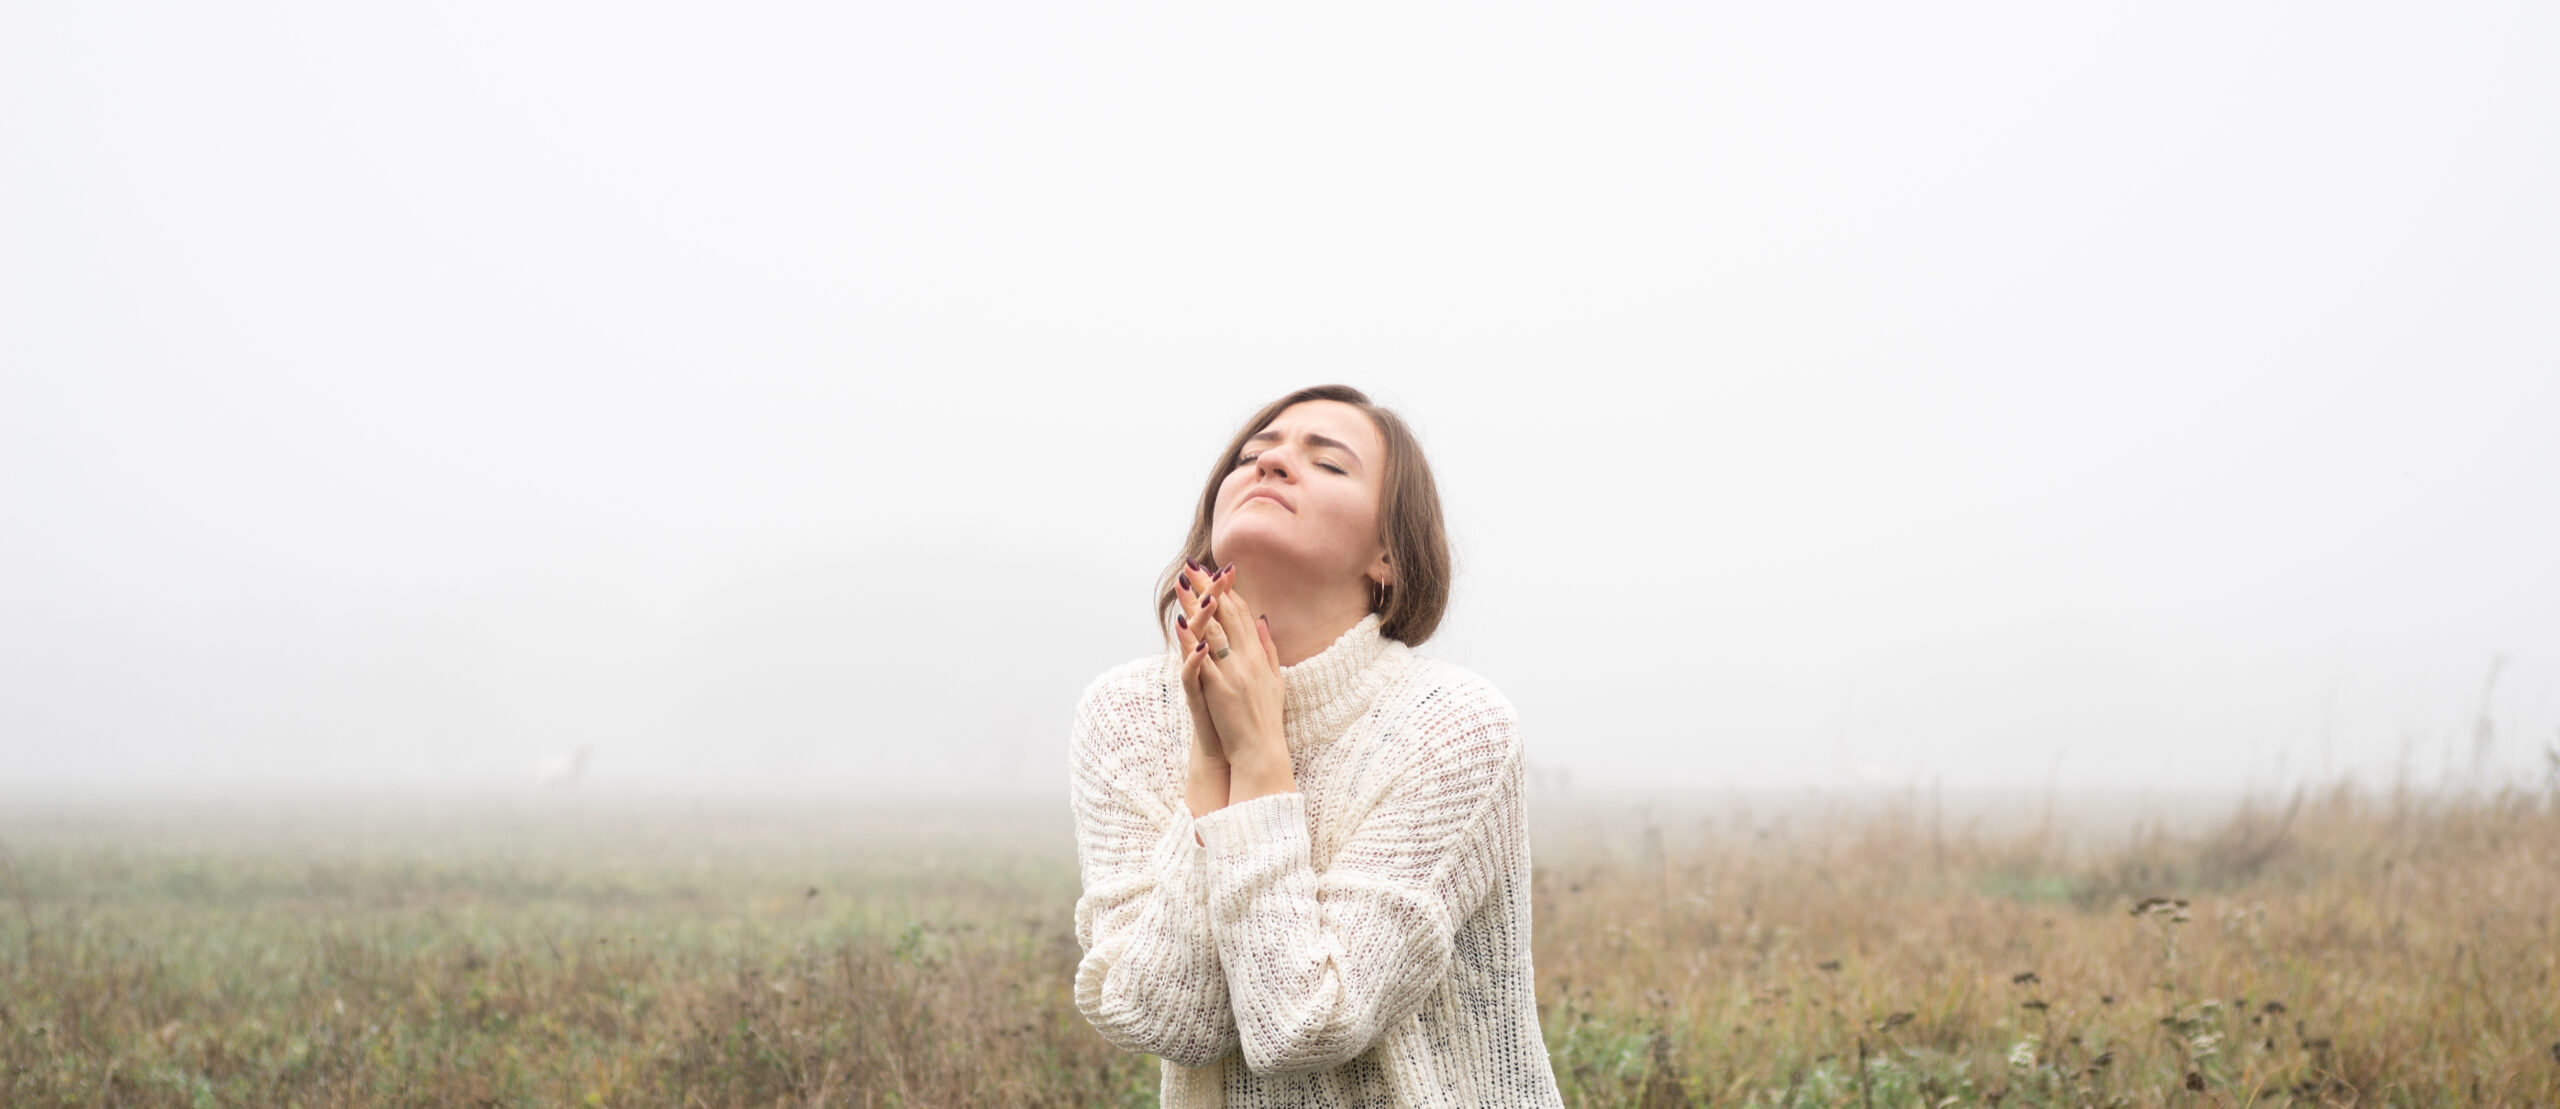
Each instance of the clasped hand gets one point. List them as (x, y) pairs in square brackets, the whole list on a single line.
[(1236, 701)]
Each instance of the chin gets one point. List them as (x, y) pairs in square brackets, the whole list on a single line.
[(1249, 542)]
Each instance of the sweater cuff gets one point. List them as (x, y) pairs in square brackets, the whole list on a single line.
[(1174, 847), (1249, 828)]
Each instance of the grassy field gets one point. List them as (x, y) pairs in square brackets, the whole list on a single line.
[(2336, 948)]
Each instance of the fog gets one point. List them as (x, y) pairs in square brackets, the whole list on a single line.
[(2153, 397)]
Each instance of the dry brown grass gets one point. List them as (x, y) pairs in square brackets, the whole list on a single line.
[(2337, 949)]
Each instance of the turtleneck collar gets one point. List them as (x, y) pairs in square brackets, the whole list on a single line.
[(1327, 690)]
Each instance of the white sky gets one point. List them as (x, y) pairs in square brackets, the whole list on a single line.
[(2155, 395)]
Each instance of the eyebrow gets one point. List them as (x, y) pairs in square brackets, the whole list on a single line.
[(1311, 437)]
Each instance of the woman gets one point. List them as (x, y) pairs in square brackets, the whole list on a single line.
[(1306, 873)]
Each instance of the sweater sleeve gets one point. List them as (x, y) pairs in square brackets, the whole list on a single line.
[(1149, 980), (1322, 963)]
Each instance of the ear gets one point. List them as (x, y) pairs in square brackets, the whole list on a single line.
[(1382, 572)]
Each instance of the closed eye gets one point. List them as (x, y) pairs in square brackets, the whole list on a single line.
[(1326, 465)]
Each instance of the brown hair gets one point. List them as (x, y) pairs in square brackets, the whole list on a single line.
[(1409, 522)]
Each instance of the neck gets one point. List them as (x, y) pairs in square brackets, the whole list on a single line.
[(1305, 617)]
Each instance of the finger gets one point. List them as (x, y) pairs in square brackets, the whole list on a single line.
[(1204, 727), (1213, 632), (1227, 615), (1197, 665), (1262, 633), (1186, 589), (1200, 681), (1204, 666), (1192, 590), (1222, 601)]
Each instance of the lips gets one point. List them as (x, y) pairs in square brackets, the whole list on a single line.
[(1261, 493)]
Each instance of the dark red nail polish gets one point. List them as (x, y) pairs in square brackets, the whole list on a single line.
[(1182, 622), (1182, 583), (1222, 571)]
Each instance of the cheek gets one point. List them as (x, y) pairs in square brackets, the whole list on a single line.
[(1222, 507), (1343, 518)]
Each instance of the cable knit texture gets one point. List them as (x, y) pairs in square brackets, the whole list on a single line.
[(1363, 941)]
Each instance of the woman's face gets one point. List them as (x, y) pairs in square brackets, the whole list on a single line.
[(1303, 500)]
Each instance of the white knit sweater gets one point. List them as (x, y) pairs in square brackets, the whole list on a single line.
[(1363, 941)]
